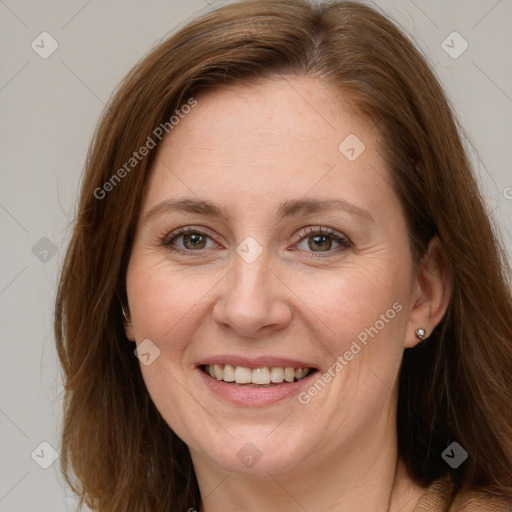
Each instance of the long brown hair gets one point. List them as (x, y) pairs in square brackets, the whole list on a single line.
[(118, 454)]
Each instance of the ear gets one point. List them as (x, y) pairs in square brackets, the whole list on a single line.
[(432, 290), (127, 323)]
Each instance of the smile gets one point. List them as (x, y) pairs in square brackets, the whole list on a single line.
[(251, 382), (255, 377)]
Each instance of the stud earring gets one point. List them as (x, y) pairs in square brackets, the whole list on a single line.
[(420, 333), (124, 315)]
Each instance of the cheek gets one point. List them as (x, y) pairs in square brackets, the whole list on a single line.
[(166, 308), (354, 299), (165, 301), (168, 304), (364, 308)]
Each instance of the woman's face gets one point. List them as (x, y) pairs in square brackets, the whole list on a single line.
[(297, 257)]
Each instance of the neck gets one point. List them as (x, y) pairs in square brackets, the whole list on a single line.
[(363, 474)]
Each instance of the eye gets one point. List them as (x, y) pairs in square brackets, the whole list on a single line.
[(316, 239), (321, 240), (192, 240)]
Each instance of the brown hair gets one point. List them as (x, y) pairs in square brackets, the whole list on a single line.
[(118, 453)]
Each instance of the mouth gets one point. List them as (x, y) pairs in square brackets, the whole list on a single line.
[(262, 377)]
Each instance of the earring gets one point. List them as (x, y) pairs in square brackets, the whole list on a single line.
[(124, 315), (421, 333)]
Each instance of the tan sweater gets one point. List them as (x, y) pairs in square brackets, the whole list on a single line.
[(437, 498)]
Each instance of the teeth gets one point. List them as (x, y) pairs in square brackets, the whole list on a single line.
[(277, 375), (289, 374), (229, 373), (243, 375), (219, 374), (301, 372), (259, 376)]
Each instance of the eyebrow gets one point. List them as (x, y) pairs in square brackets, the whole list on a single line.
[(289, 208)]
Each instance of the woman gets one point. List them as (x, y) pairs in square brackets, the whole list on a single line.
[(278, 215)]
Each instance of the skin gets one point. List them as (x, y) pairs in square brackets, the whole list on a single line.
[(248, 149)]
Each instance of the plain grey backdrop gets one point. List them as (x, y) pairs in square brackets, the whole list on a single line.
[(51, 98)]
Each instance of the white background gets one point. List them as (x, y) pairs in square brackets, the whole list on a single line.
[(49, 109)]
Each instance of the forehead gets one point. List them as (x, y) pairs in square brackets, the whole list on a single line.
[(255, 144)]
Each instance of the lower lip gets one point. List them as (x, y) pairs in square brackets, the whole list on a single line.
[(250, 396)]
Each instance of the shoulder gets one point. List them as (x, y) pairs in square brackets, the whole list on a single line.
[(479, 501), (438, 497)]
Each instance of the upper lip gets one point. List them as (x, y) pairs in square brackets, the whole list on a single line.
[(255, 362)]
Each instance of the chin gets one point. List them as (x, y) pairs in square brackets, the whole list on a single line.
[(258, 459), (256, 450)]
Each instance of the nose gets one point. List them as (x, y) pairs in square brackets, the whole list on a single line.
[(253, 301)]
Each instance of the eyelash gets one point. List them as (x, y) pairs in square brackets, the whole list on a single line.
[(344, 242)]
